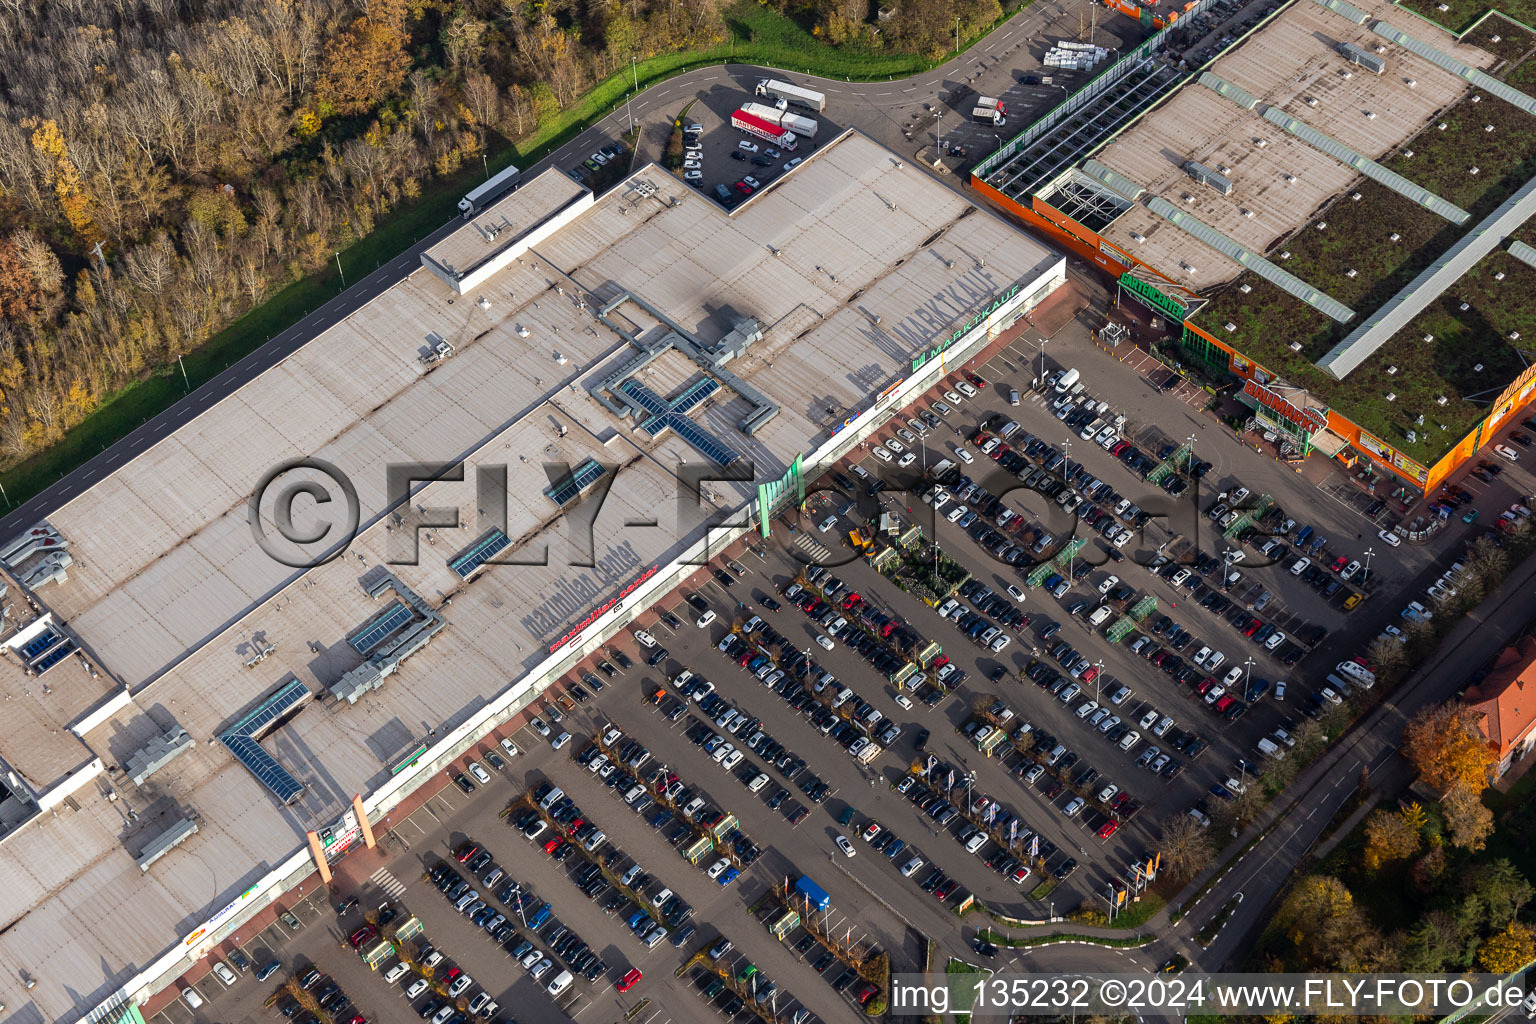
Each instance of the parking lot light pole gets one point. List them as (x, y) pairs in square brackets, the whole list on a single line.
[(1043, 340), (1247, 676), (1366, 578), (1098, 682)]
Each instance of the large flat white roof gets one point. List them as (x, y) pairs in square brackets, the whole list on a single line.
[(852, 264)]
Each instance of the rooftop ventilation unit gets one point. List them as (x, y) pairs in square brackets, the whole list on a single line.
[(167, 841), (1296, 346), (1362, 58), (1137, 236), (1245, 287), (1412, 83), (1442, 400), (1208, 177), (1389, 396), (158, 753), (1391, 371), (1230, 326)]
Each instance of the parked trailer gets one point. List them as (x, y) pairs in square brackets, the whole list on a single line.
[(993, 102), (481, 196), (988, 115), (810, 99), (765, 130), (803, 127)]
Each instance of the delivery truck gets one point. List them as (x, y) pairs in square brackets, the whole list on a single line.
[(768, 131), (809, 99), (803, 127)]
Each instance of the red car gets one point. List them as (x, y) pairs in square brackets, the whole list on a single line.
[(1226, 702), (358, 1018), (975, 380), (1091, 674), (851, 600), (363, 934), (1108, 829), (1340, 562), (1252, 627), (549, 847), (743, 188), (1205, 685), (629, 980)]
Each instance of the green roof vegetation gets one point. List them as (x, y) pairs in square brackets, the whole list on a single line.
[(1358, 238)]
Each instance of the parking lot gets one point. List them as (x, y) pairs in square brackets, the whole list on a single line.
[(777, 770)]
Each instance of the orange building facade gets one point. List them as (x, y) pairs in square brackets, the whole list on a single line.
[(1303, 423)]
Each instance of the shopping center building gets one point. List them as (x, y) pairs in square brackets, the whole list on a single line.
[(205, 703), (1331, 210)]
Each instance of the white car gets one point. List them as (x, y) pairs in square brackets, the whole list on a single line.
[(896, 447), (1015, 593), (963, 455), (902, 701), (1202, 656), (538, 726), (1505, 451), (965, 388), (879, 452), (1110, 583), (1275, 640), (531, 958), (1300, 566), (693, 174), (1164, 724), (906, 460), (227, 976), (1149, 719), (956, 513), (692, 164), (1129, 740), (1233, 675), (1389, 537), (752, 182), (480, 774), (844, 845), (911, 867), (705, 619), (1348, 572), (796, 162), (509, 747), (953, 399), (825, 642), (749, 147), (418, 986), (906, 435), (460, 983), (718, 868)]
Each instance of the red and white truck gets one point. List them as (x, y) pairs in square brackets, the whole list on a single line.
[(803, 127), (768, 131)]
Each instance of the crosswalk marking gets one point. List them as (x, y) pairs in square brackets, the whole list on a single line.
[(813, 548), (385, 880)]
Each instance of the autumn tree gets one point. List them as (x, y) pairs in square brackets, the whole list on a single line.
[(365, 64), (1468, 821), (1185, 846), (1509, 950), (20, 297), (1389, 836), (1447, 748), (1321, 920)]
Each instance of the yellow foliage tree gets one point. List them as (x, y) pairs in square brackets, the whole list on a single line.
[(1508, 950), (363, 66), (64, 176), (1388, 837), (1446, 746)]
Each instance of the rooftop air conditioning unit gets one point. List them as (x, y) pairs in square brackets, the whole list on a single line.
[(1442, 126), (1442, 400), (1137, 236), (1487, 127), (483, 302), (1347, 75), (1494, 38), (1296, 346), (1412, 83), (1311, 101), (1187, 268), (1391, 371), (1290, 179), (1390, 397), (1245, 287), (1514, 335), (1499, 276), (1473, 171), (1230, 326), (1355, 196), (1395, 237), (520, 331), (1247, 213), (560, 358), (1477, 367), (1286, 254), (1379, 48), (1407, 154), (1187, 197), (1465, 307), (1370, 115), (1322, 225), (1477, 99), (1261, 143), (1351, 273), (1223, 169), (1429, 339)]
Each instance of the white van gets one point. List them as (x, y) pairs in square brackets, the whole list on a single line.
[(559, 983), (1269, 748), (551, 797), (1100, 615), (1063, 380), (190, 996)]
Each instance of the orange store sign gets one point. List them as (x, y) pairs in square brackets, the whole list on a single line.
[(1309, 420)]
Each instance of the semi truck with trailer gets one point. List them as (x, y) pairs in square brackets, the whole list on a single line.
[(768, 131), (810, 99), (989, 110), (483, 194), (803, 127)]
